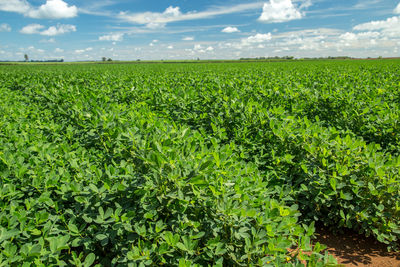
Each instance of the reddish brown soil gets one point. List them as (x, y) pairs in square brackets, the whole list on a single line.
[(352, 249)]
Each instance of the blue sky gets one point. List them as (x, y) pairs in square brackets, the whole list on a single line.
[(206, 29)]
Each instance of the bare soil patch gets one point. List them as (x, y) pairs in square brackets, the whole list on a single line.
[(353, 249)]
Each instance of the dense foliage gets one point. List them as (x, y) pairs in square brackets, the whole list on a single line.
[(195, 164)]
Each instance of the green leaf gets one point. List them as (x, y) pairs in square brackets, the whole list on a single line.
[(101, 237), (304, 187), (332, 181), (4, 234), (345, 196), (182, 246), (89, 260), (198, 235)]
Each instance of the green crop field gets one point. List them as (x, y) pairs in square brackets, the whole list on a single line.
[(196, 164)]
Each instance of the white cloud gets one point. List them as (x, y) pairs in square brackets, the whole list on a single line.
[(397, 9), (279, 11), (378, 24), (19, 6), (173, 14), (51, 40), (59, 29), (258, 38), (4, 27), (154, 19), (80, 51), (230, 29), (32, 29), (52, 9), (51, 31), (389, 27), (58, 50), (32, 50), (348, 36), (116, 37), (358, 40), (197, 47), (153, 42), (189, 38), (366, 4), (170, 47)]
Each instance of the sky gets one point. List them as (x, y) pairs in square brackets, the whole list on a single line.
[(207, 29)]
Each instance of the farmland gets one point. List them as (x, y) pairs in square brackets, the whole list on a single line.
[(196, 164)]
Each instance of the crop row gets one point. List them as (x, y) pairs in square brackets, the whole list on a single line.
[(181, 165)]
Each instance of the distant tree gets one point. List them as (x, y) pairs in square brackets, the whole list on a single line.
[(26, 57), (103, 58), (109, 59)]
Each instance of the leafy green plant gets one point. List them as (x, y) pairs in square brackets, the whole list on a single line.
[(194, 165)]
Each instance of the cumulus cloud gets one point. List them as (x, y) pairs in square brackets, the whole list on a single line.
[(18, 6), (197, 47), (51, 31), (173, 14), (230, 30), (389, 27), (153, 42), (59, 29), (32, 29), (4, 27), (258, 38), (397, 9), (34, 49), (188, 38), (154, 19), (52, 9), (358, 40), (58, 50), (279, 11), (80, 51), (200, 49), (350, 36), (378, 24), (115, 37)]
